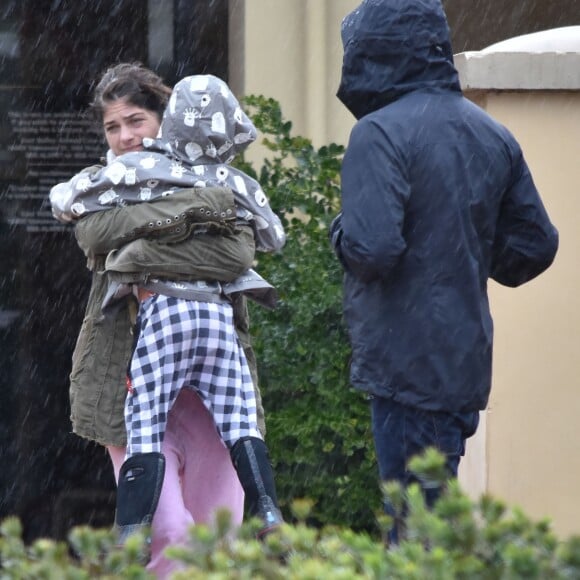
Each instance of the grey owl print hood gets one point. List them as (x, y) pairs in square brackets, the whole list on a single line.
[(204, 123), (205, 128)]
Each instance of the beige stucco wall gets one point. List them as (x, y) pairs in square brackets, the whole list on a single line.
[(527, 449), (527, 452), (291, 50)]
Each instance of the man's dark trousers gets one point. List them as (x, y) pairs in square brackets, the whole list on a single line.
[(400, 432)]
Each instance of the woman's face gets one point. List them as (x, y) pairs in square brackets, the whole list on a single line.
[(126, 125)]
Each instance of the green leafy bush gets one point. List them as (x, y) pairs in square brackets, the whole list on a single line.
[(458, 540), (94, 556), (318, 427)]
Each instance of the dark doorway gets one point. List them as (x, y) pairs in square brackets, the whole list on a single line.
[(51, 52)]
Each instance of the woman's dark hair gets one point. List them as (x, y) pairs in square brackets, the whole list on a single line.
[(134, 82)]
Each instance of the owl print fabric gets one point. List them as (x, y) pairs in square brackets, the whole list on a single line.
[(202, 131)]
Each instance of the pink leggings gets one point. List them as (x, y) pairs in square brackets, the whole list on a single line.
[(199, 479)]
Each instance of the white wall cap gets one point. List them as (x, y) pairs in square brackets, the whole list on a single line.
[(547, 60), (566, 39)]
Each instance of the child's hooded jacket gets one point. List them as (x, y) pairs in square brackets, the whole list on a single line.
[(202, 131)]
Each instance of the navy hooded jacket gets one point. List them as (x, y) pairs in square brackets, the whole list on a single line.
[(436, 198)]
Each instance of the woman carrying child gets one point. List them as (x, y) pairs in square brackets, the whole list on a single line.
[(183, 342)]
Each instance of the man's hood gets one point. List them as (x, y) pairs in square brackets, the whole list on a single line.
[(392, 47), (204, 123)]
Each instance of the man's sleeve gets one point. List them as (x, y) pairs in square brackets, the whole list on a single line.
[(368, 238), (525, 242)]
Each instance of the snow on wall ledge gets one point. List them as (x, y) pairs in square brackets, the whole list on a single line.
[(547, 60)]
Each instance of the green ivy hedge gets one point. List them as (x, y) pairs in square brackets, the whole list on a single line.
[(318, 427)]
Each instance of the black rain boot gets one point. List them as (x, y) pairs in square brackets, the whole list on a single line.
[(140, 482), (250, 458)]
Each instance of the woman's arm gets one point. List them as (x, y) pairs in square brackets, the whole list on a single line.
[(172, 219), (200, 257)]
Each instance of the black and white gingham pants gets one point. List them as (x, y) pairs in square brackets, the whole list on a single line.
[(194, 345)]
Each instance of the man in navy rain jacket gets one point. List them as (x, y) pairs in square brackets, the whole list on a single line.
[(436, 198)]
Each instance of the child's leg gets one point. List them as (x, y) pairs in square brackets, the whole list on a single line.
[(199, 479), (250, 457), (117, 455), (172, 519), (222, 378), (159, 368), (209, 479), (224, 383)]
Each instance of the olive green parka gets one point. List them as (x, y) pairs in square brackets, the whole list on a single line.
[(184, 234)]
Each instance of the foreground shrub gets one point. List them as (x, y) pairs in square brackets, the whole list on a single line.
[(94, 556), (458, 539)]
